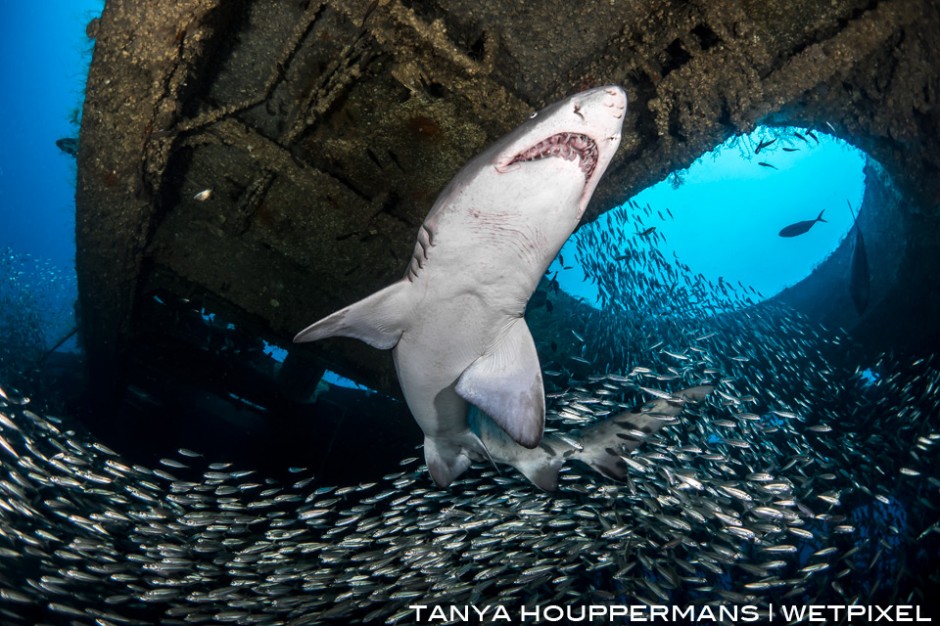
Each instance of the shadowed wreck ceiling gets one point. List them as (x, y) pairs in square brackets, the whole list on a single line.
[(325, 130)]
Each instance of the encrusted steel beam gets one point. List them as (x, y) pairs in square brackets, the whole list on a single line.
[(139, 71)]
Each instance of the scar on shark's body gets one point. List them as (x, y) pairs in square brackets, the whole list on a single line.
[(454, 322)]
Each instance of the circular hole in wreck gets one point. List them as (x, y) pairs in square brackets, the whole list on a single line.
[(785, 214)]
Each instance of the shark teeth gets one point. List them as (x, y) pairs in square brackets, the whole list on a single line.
[(567, 146)]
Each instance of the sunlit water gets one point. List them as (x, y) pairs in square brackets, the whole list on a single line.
[(722, 215)]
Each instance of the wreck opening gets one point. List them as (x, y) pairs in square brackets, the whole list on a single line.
[(758, 214)]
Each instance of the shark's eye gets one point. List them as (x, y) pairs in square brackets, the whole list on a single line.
[(534, 115)]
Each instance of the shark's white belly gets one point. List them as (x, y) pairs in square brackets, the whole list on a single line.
[(471, 281), (429, 363), (447, 336)]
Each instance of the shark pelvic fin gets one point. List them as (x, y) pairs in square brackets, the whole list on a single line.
[(377, 320), (506, 384)]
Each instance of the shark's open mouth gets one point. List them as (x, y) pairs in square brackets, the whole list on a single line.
[(567, 146)]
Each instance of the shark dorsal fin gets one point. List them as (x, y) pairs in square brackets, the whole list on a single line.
[(506, 384)]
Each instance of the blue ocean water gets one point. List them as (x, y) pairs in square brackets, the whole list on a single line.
[(722, 215), (46, 55)]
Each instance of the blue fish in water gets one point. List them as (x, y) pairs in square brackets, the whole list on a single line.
[(794, 230)]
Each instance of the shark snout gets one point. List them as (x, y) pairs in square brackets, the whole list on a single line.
[(616, 101), (617, 95), (604, 108)]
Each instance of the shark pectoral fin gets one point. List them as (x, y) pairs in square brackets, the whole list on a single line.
[(377, 320), (445, 467), (506, 384)]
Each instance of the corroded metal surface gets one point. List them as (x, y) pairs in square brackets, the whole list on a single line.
[(325, 129)]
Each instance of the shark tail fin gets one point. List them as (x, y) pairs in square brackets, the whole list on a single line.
[(377, 320), (543, 473), (820, 219), (607, 461), (541, 465), (604, 443)]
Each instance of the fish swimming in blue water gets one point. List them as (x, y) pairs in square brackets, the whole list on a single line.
[(68, 145), (763, 144), (799, 228), (454, 322)]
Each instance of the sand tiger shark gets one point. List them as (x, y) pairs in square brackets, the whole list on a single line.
[(455, 321)]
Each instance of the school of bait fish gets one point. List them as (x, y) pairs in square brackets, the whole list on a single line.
[(797, 480)]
